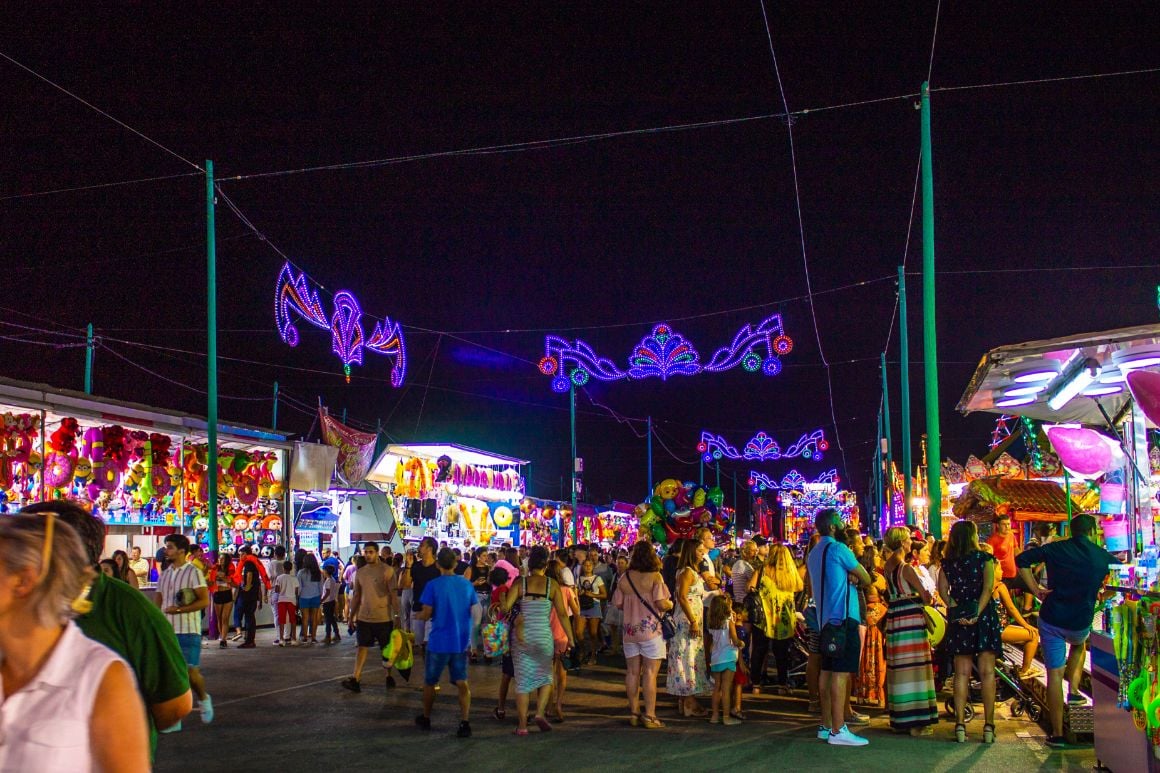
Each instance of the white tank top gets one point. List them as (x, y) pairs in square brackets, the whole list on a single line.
[(45, 725), (723, 649)]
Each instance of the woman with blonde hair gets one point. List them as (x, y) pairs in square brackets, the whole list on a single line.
[(776, 583), (910, 693), (53, 677)]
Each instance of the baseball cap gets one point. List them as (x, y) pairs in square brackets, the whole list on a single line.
[(760, 541)]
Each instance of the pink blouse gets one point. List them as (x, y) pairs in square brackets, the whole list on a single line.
[(640, 625)]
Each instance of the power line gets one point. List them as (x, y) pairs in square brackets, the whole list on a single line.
[(93, 107), (97, 186), (1060, 79)]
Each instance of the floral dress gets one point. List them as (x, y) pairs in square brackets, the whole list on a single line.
[(965, 580), (688, 671), (870, 684)]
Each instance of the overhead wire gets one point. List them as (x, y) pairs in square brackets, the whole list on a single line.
[(96, 186)]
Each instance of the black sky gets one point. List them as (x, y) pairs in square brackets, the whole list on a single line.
[(626, 231)]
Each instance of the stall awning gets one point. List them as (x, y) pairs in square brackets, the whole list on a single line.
[(1020, 379), (1029, 500), (384, 467)]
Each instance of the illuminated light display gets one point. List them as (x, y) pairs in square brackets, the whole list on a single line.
[(762, 448), (293, 297), (665, 353), (791, 481)]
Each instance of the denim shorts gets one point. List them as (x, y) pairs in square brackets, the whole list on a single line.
[(1054, 641), (434, 664), (190, 644)]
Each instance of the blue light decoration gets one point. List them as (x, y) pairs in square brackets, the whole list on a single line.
[(792, 481), (665, 353), (762, 448), (293, 295)]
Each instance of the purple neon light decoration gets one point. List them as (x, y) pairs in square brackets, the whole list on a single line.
[(762, 448), (791, 481), (293, 296), (664, 353)]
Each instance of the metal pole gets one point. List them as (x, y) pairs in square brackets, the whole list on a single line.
[(575, 510), (929, 330), (888, 484), (718, 474), (904, 396), (274, 421), (701, 470), (89, 359), (211, 352), (650, 478)]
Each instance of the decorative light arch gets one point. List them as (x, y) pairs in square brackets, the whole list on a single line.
[(762, 448), (791, 481), (293, 295), (665, 353)]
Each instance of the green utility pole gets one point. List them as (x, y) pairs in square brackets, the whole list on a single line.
[(89, 359), (274, 418), (575, 510), (211, 352), (904, 347), (929, 332), (650, 485), (888, 484), (876, 478)]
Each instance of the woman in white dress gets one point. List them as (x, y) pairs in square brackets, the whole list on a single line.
[(51, 676)]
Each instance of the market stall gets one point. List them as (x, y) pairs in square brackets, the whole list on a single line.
[(460, 495)]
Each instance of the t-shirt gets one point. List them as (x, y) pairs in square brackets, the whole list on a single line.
[(329, 588), (140, 568), (450, 598), (1004, 549), (174, 579), (309, 588), (593, 584), (420, 576), (742, 572), (840, 562), (287, 588), (1078, 568), (252, 578), (461, 568), (124, 621)]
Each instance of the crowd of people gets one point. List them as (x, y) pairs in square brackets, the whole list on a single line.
[(850, 614)]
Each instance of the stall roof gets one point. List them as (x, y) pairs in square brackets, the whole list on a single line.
[(1031, 500), (68, 402), (1033, 364), (384, 466)]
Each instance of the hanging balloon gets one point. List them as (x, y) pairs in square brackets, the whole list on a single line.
[(502, 517)]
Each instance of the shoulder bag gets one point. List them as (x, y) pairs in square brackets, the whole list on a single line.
[(754, 609), (833, 634), (667, 621)]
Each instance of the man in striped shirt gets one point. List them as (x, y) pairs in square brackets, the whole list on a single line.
[(182, 594)]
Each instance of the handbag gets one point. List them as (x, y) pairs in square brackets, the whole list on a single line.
[(495, 634), (754, 609), (667, 621), (833, 637)]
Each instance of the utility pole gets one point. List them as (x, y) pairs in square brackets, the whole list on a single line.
[(904, 347), (89, 359), (211, 352), (929, 330), (575, 464), (274, 418), (650, 478), (888, 486)]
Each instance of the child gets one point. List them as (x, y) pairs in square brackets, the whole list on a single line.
[(741, 678), (501, 579), (329, 602), (286, 585), (726, 648)]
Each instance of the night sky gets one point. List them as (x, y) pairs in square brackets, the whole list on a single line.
[(598, 239)]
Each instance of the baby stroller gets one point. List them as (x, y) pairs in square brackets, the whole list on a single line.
[(1007, 688)]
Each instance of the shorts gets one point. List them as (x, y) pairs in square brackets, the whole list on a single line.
[(813, 642), (434, 663), (849, 660), (653, 649), (729, 665), (508, 666), (592, 612), (190, 644), (1054, 641), (314, 602), (366, 634), (223, 596), (287, 613)]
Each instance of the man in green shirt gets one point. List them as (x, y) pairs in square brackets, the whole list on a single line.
[(125, 621)]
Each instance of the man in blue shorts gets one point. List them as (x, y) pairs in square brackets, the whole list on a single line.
[(181, 595), (1078, 569), (447, 601)]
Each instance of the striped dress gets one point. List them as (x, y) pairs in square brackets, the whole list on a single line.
[(532, 657), (910, 693)]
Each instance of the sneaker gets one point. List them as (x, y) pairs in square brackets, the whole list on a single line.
[(206, 710), (845, 738), (464, 730), (1057, 742), (860, 720), (352, 684), (823, 733), (424, 723), (1076, 699), (278, 642), (175, 729), (390, 682), (247, 646)]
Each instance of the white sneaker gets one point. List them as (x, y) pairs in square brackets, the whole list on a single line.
[(823, 733), (845, 738)]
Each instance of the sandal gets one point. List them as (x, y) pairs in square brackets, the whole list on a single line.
[(738, 715), (988, 734), (543, 724), (520, 731), (961, 733), (634, 720), (499, 713), (651, 723)]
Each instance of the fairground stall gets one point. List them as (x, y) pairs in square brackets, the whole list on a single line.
[(141, 469), (460, 495), (1098, 397)]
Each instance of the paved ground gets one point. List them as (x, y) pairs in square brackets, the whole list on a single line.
[(282, 709)]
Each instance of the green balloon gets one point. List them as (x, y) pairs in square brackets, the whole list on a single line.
[(658, 505), (717, 496), (658, 532)]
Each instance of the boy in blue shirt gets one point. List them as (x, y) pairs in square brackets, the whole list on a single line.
[(447, 601)]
